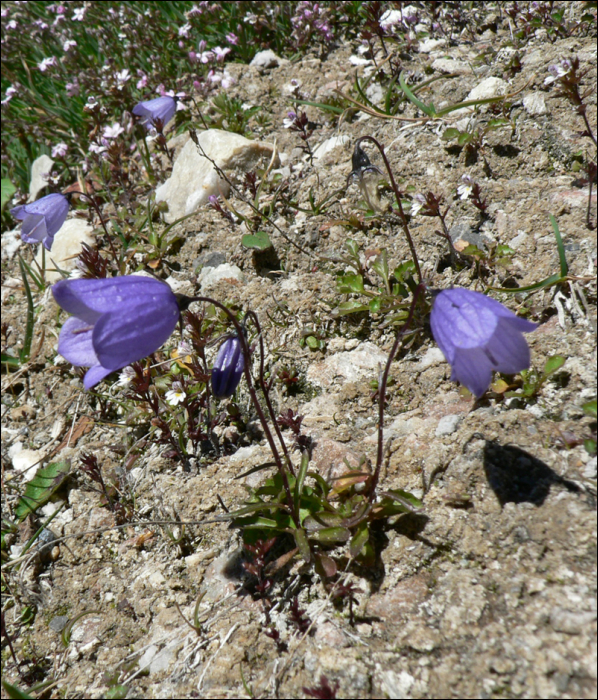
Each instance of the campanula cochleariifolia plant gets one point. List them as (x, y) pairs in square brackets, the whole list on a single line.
[(477, 335)]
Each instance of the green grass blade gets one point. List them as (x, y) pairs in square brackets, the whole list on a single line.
[(426, 109), (560, 246), (26, 351)]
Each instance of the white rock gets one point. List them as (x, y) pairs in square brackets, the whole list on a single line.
[(534, 103), (329, 145), (41, 166), (210, 276), (518, 241), (68, 243), (451, 65), (432, 357), (491, 87), (266, 59), (428, 45), (194, 178), (589, 471), (27, 461), (348, 366), (448, 424), (11, 242)]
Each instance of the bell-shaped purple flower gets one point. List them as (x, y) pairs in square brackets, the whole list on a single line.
[(115, 321), (228, 368), (478, 334), (42, 219), (161, 108)]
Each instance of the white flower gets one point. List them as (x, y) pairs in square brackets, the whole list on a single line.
[(417, 203), (126, 376), (79, 14), (10, 93), (46, 63), (69, 44), (114, 131), (176, 395), (122, 77), (464, 191), (184, 30)]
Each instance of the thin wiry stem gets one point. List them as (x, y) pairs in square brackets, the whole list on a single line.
[(399, 204)]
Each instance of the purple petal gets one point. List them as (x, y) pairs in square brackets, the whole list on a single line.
[(228, 368), (507, 349), (75, 343), (45, 216), (162, 108), (89, 298), (135, 331), (472, 368), (94, 375), (34, 228)]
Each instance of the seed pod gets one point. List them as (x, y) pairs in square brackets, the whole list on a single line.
[(228, 368)]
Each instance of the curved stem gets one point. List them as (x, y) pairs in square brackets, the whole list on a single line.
[(399, 204), (382, 392), (266, 392), (246, 354)]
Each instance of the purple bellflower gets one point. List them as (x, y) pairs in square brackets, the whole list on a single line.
[(478, 334), (161, 108), (115, 321), (228, 368), (42, 219)]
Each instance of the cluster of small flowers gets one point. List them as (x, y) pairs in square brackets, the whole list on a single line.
[(310, 18)]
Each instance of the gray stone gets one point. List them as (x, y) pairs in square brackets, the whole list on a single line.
[(194, 178), (450, 65), (67, 245), (266, 59), (39, 169), (329, 145), (210, 276), (213, 259), (448, 424), (463, 235), (348, 366), (534, 103), (571, 622)]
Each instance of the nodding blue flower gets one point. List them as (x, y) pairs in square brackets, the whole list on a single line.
[(42, 219), (115, 321), (228, 368), (478, 334), (160, 109)]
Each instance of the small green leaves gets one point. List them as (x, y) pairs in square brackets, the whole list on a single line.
[(257, 241), (40, 489), (589, 408), (350, 284), (534, 380), (8, 189)]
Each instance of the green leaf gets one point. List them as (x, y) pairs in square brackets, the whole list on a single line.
[(464, 138), (450, 134), (312, 342), (350, 284), (359, 539), (301, 478), (553, 363), (302, 544), (548, 282), (331, 535), (380, 265), (504, 250), (404, 270), (560, 246), (426, 109), (375, 305), (13, 692), (325, 566), (589, 408), (350, 307), (8, 189), (40, 489), (258, 241)]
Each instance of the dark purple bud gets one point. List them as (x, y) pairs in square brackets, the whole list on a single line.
[(162, 109), (115, 321), (42, 219), (228, 368), (478, 334)]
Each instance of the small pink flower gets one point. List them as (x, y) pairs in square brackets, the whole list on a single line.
[(184, 31), (10, 93), (46, 63), (79, 14), (68, 45), (221, 53), (60, 150), (232, 38)]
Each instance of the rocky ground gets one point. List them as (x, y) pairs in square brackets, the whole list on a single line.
[(490, 589)]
